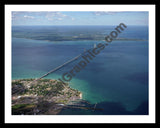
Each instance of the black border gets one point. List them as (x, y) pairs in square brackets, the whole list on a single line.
[(127, 125)]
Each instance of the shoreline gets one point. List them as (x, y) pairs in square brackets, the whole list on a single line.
[(43, 97), (56, 41)]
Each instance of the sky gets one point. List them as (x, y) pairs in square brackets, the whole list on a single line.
[(79, 17)]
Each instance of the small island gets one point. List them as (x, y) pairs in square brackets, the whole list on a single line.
[(42, 97)]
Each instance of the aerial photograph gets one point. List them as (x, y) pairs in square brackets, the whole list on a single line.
[(80, 62)]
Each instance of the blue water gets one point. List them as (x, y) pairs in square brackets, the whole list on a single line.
[(116, 79)]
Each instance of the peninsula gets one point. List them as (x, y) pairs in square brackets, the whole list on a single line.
[(42, 97)]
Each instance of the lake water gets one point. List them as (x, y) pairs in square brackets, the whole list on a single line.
[(116, 79)]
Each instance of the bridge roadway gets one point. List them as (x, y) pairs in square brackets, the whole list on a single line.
[(53, 70)]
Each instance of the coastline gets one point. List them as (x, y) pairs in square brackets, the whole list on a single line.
[(98, 40), (43, 97)]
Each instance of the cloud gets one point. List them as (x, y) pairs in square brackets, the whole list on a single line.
[(48, 17), (29, 17), (55, 16), (59, 18), (63, 15), (72, 18), (21, 15), (98, 13)]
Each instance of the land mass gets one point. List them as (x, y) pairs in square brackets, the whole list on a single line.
[(65, 33), (45, 96)]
